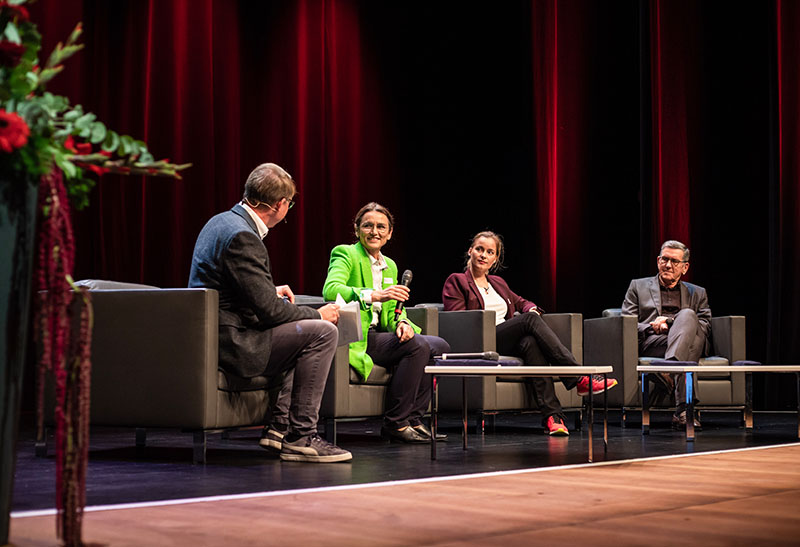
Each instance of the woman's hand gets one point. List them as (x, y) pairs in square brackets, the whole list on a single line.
[(395, 292), (404, 332)]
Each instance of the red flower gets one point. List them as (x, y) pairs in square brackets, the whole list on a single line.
[(13, 131), (96, 169), (20, 13), (82, 148), (10, 53)]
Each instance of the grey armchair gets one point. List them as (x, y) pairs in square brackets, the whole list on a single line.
[(154, 365), (474, 331), (613, 339), (348, 397)]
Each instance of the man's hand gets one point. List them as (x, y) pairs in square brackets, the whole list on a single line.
[(404, 332), (395, 292), (284, 290), (660, 325), (330, 312)]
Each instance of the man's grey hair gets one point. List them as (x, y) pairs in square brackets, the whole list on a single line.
[(268, 183), (672, 244)]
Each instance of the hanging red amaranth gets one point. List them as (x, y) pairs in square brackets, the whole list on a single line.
[(67, 356)]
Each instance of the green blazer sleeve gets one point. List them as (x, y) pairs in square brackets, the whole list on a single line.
[(350, 275)]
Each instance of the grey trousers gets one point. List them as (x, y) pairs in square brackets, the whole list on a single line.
[(304, 351), (684, 341)]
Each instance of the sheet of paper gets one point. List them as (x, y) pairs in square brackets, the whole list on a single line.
[(349, 321)]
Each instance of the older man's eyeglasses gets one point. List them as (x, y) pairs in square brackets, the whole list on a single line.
[(667, 260), (380, 227)]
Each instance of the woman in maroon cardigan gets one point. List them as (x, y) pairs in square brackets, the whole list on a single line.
[(524, 335)]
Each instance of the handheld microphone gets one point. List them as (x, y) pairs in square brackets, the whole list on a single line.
[(487, 355), (406, 281)]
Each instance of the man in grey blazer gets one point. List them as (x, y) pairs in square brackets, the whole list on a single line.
[(261, 331), (674, 317)]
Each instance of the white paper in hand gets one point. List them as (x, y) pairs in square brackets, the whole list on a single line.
[(349, 321)]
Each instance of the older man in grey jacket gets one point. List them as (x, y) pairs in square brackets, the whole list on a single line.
[(673, 316)]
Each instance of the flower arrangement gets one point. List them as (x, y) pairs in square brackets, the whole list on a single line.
[(60, 147)]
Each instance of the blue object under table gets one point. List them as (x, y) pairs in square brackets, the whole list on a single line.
[(690, 368), (466, 368)]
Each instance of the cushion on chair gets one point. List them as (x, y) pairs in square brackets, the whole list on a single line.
[(231, 382), (379, 376), (714, 361), (103, 285)]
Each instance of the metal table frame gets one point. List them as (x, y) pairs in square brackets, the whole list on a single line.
[(499, 370), (690, 372)]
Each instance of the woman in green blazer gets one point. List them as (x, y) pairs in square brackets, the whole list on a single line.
[(361, 273)]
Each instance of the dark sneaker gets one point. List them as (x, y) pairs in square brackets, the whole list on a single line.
[(271, 439), (597, 385), (556, 427), (313, 448)]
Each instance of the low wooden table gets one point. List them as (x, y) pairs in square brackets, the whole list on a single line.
[(484, 369), (690, 370)]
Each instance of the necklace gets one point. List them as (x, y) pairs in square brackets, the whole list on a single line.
[(486, 288)]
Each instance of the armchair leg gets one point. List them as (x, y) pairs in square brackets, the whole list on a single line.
[(199, 447), (330, 430), (141, 437), (41, 445)]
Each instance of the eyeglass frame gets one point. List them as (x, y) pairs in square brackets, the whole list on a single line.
[(380, 228), (674, 261)]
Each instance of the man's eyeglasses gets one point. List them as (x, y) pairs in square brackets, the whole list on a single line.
[(290, 202), (674, 261), (369, 226)]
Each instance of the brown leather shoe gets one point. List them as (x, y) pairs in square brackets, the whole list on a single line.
[(679, 421)]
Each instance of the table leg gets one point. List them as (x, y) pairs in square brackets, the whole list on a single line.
[(645, 404), (797, 376), (434, 414), (748, 402), (605, 414), (591, 421), (689, 406), (464, 424)]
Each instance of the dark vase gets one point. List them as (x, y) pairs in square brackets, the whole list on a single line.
[(17, 233)]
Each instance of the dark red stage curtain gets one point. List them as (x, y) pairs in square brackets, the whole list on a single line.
[(784, 343), (560, 60), (674, 86), (225, 86)]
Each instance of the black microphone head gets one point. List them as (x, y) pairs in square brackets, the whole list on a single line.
[(407, 277)]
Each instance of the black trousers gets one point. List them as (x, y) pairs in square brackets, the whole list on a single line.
[(527, 336), (409, 392)]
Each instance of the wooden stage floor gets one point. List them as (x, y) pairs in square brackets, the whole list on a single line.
[(748, 496)]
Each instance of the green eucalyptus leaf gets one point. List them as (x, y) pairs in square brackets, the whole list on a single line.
[(146, 158), (112, 141), (84, 122), (126, 145), (72, 115), (86, 132), (98, 133), (12, 33)]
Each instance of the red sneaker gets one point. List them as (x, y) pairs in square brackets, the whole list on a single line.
[(555, 426), (597, 385)]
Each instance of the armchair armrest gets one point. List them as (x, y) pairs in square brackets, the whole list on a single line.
[(728, 337), (426, 318), (468, 330), (614, 340), (155, 357)]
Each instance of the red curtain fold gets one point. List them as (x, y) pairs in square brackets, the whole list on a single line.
[(560, 59), (785, 281), (300, 93), (673, 56)]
